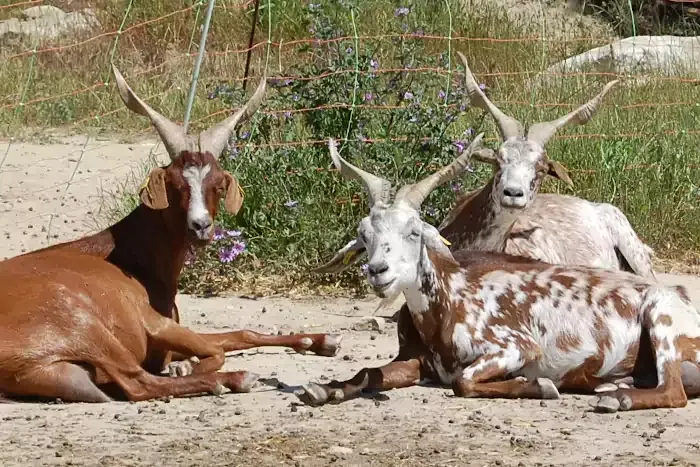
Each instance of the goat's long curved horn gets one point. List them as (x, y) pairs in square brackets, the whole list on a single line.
[(214, 139), (173, 135), (378, 189), (542, 132), (508, 126), (416, 193)]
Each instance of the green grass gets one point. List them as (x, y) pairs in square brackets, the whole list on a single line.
[(639, 152)]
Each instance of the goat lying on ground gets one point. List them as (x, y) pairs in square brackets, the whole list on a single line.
[(89, 318), (508, 214), (497, 326)]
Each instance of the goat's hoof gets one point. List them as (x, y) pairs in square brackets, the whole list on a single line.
[(330, 346), (314, 395), (606, 387), (248, 382), (547, 388), (218, 389), (606, 404), (182, 368)]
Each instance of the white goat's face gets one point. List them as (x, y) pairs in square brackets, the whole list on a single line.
[(392, 237), (520, 167)]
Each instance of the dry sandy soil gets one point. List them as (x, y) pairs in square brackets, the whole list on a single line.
[(412, 427)]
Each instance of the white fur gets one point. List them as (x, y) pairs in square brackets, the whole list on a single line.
[(197, 211)]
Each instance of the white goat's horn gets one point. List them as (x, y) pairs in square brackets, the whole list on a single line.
[(173, 135), (378, 189), (416, 193), (542, 132), (214, 139), (508, 126)]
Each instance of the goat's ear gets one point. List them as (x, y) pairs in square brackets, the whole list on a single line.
[(153, 192), (234, 194), (557, 170), (344, 258), (486, 155)]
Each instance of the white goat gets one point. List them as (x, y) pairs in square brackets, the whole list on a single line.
[(497, 326), (508, 215)]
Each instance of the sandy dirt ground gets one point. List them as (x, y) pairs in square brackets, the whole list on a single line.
[(412, 427)]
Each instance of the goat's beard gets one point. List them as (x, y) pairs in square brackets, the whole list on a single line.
[(388, 300)]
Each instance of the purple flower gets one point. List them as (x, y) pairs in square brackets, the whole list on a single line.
[(233, 233), (469, 132), (413, 119), (374, 64), (408, 95), (218, 233), (368, 96), (245, 135), (431, 211), (287, 114), (364, 268), (482, 87), (296, 97), (228, 254), (460, 146), (442, 94), (456, 186), (348, 50), (291, 204), (233, 153), (403, 11)]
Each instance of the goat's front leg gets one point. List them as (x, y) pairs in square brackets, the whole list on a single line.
[(397, 374), (325, 345), (477, 379)]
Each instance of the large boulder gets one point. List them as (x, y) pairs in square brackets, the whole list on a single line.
[(48, 22), (641, 55)]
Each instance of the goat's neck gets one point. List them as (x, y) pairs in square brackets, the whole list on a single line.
[(433, 285), (152, 248), (478, 222)]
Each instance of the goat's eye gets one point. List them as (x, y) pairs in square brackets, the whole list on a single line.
[(415, 234)]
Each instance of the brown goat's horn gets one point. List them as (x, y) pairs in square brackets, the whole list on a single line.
[(508, 126), (416, 193), (214, 139), (542, 132), (378, 189), (173, 135)]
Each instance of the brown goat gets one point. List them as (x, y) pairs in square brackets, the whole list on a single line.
[(89, 320)]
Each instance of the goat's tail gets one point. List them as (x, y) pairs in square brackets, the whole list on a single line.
[(635, 256)]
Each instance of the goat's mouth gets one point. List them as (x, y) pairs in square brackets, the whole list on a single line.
[(199, 241), (510, 202), (380, 289)]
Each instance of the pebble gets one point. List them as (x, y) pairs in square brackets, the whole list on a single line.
[(339, 450)]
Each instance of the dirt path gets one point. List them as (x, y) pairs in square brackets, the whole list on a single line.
[(412, 427)]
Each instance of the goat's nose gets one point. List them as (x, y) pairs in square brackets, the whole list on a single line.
[(514, 192), (201, 225), (376, 269)]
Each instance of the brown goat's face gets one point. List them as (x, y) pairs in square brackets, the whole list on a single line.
[(193, 185)]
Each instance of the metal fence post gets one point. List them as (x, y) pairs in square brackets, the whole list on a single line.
[(198, 63)]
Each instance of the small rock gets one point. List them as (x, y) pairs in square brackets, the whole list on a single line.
[(370, 323)]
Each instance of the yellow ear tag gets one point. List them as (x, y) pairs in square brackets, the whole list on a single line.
[(240, 190), (444, 240), (348, 256)]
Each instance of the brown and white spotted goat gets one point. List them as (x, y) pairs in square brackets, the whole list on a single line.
[(497, 326), (509, 215), (89, 320)]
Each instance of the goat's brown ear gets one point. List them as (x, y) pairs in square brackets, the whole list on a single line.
[(557, 170), (153, 192), (234, 194)]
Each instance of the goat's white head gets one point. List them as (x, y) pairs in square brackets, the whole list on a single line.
[(521, 162), (193, 183), (393, 235)]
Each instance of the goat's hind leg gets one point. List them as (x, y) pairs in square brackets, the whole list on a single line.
[(668, 344), (67, 381)]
